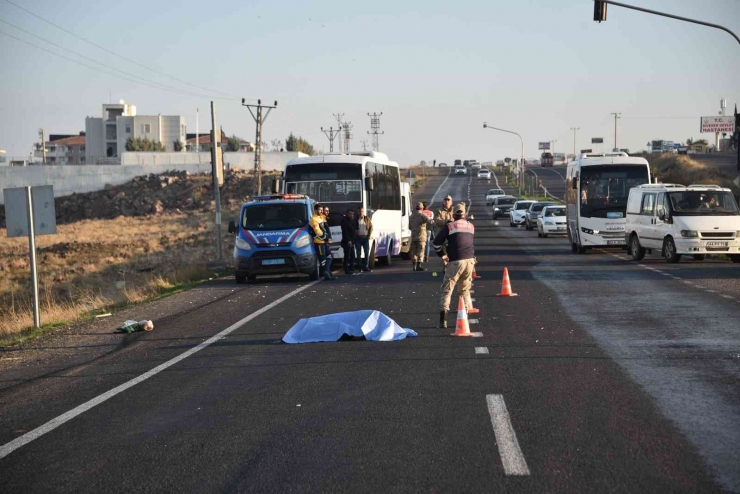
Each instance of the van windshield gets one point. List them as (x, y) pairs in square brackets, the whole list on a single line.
[(260, 217), (700, 203)]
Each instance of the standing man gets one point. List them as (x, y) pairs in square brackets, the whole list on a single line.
[(320, 236), (329, 256), (349, 237), (418, 223), (430, 232), (443, 216), (364, 227), (460, 256)]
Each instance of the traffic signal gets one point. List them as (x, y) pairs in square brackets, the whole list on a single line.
[(599, 11)]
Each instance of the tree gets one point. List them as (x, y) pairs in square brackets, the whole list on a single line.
[(689, 141), (299, 144), (139, 144), (178, 145), (233, 144), (276, 144)]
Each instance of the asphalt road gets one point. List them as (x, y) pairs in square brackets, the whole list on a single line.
[(614, 376), (553, 179)]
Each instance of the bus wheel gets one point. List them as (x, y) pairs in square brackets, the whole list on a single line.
[(371, 258), (386, 260)]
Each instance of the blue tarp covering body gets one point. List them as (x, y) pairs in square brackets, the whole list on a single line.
[(371, 324)]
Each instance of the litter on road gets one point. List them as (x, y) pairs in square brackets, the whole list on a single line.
[(134, 326), (373, 325)]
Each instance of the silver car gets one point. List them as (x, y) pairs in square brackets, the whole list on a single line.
[(534, 211)]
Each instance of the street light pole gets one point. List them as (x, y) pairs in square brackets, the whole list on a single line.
[(521, 159), (574, 129)]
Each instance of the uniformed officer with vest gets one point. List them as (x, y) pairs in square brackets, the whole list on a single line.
[(454, 244), (418, 223)]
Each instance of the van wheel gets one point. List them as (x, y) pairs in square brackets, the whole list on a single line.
[(669, 251), (636, 250), (251, 277), (735, 258), (313, 276), (371, 258), (699, 257), (240, 279)]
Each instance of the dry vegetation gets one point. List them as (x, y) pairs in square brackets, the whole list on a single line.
[(682, 169)]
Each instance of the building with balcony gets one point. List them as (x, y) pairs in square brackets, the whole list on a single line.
[(107, 136), (63, 149)]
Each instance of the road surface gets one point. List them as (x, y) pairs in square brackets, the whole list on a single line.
[(601, 375)]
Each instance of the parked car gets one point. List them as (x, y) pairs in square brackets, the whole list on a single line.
[(502, 205), (534, 211), (461, 170), (485, 173), (552, 221), (493, 194), (518, 211), (698, 220)]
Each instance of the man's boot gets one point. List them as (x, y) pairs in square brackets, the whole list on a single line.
[(419, 267), (414, 268), (443, 319)]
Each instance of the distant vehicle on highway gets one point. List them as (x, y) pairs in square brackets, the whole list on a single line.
[(697, 220), (461, 170), (458, 163), (442, 165), (474, 165), (493, 194), (546, 159), (271, 237), (552, 222), (365, 179), (518, 211), (661, 146), (596, 192), (484, 173), (559, 159), (534, 212), (502, 205)]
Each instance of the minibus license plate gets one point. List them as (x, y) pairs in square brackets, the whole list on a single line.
[(716, 244), (271, 262), (616, 242)]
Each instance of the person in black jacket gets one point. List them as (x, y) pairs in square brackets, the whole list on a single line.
[(349, 236)]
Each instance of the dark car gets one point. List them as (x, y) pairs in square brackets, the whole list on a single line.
[(534, 211), (502, 205)]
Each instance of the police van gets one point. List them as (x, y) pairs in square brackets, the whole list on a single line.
[(272, 237), (676, 220)]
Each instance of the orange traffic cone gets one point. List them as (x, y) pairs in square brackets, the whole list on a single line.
[(475, 275), (506, 286), (471, 309), (462, 328)]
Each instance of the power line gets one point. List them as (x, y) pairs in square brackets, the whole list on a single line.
[(146, 81), (116, 54)]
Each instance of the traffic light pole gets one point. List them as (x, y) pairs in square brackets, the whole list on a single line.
[(600, 15)]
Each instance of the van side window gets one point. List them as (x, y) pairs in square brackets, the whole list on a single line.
[(660, 204), (648, 204)]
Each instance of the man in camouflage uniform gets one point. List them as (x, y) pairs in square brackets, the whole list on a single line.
[(418, 223), (443, 216)]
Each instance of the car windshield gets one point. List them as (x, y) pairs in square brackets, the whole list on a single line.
[(273, 216), (523, 205), (700, 203), (540, 205), (494, 192), (552, 212), (505, 201), (605, 189)]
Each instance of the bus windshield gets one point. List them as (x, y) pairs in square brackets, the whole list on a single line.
[(273, 216), (605, 188), (699, 203)]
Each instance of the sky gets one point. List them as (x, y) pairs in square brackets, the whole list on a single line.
[(436, 69)]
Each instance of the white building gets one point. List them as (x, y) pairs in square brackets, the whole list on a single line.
[(3, 157), (107, 136)]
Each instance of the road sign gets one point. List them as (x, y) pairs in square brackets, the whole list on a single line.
[(717, 124), (544, 145), (16, 211), (597, 140)]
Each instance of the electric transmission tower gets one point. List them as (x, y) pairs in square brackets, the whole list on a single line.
[(259, 119), (331, 134), (375, 128), (346, 129)]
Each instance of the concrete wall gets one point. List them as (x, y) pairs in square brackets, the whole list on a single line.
[(88, 178)]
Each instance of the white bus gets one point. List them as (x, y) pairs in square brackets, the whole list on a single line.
[(596, 193), (351, 181)]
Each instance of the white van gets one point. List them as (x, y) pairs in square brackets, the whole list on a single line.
[(697, 220)]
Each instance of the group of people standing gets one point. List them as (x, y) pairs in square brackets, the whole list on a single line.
[(356, 234)]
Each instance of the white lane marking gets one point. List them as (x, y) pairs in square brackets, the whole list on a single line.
[(473, 321), (710, 291), (665, 274), (434, 197), (26, 438), (508, 446), (729, 297), (677, 278), (481, 350)]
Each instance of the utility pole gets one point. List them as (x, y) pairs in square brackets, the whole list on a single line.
[(331, 135), (616, 116), (259, 119), (552, 145), (364, 144), (42, 135), (375, 128), (347, 127), (574, 129), (215, 139)]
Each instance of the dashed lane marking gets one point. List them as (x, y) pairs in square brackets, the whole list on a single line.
[(26, 438), (512, 457), (481, 350), (473, 321), (729, 297)]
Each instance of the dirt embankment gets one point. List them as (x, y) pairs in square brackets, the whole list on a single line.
[(682, 169)]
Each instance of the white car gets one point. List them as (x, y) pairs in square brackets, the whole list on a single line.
[(461, 170), (551, 221), (485, 173), (493, 194), (475, 165), (675, 220), (517, 213)]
